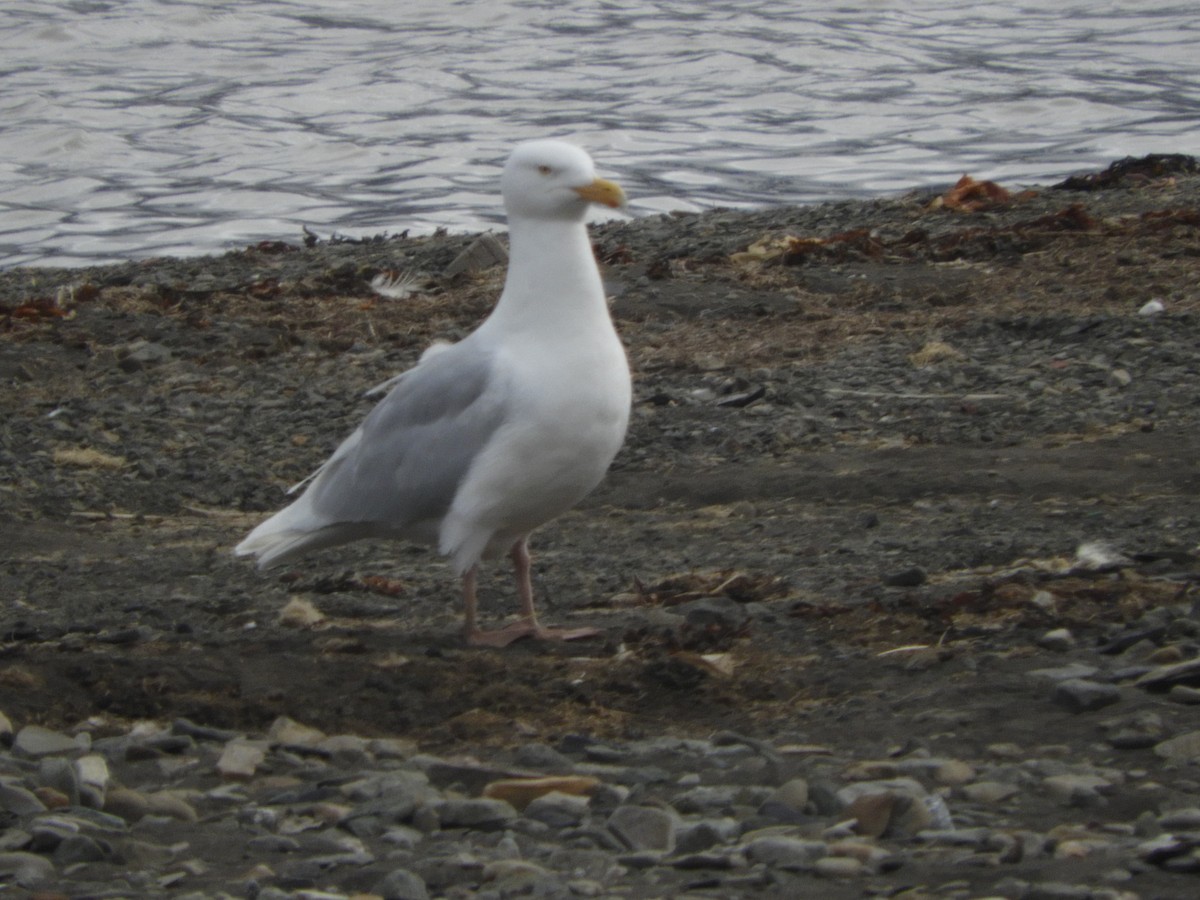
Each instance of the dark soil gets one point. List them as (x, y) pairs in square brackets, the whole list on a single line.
[(856, 463)]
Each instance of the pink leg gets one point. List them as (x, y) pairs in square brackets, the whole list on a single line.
[(528, 626)]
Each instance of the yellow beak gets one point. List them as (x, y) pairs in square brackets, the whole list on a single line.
[(603, 191)]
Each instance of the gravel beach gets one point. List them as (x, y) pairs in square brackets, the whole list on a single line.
[(896, 571)]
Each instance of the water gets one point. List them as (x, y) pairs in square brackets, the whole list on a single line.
[(134, 128)]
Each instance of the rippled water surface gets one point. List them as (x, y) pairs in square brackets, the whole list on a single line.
[(132, 128)]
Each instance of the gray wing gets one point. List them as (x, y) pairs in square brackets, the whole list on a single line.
[(405, 462)]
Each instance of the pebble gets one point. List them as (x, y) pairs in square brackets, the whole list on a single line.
[(1181, 748), (1059, 639), (643, 828), (1083, 695), (240, 759), (36, 741), (326, 816)]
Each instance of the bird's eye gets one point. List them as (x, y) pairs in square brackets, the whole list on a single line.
[(544, 170)]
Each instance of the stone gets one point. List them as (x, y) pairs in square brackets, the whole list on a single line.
[(543, 758), (171, 805), (1184, 694), (28, 870), (141, 354), (240, 759), (1064, 673), (129, 804), (787, 802), (484, 814), (285, 730), (1081, 695), (80, 848), (707, 799), (1181, 748), (643, 828), (913, 576), (1059, 639), (989, 791), (838, 867), (19, 801), (1185, 819), (872, 813), (696, 837), (1056, 890), (782, 852), (558, 810), (896, 807), (484, 252), (92, 775), (60, 774), (1162, 678), (36, 741), (1077, 789), (520, 792), (513, 869)]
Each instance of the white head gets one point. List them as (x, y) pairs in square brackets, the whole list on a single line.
[(554, 180)]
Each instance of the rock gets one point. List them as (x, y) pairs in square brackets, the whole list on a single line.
[(482, 253), (1181, 748), (1054, 890), (1059, 639), (714, 615), (172, 805), (484, 814), (787, 802), (558, 810), (707, 799), (1184, 694), (36, 741), (60, 774), (643, 828), (1081, 695), (129, 804), (696, 837), (240, 759), (872, 813), (19, 801), (141, 355), (288, 731), (1151, 308), (788, 853), (1119, 378), (897, 807), (80, 848), (1065, 673), (838, 867), (543, 758), (1186, 819), (1077, 789), (93, 777), (1163, 678), (937, 769), (989, 791), (517, 870), (914, 576), (520, 792), (28, 870)]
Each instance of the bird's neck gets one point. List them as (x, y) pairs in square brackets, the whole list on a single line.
[(554, 259)]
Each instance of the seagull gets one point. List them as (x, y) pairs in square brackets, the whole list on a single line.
[(485, 439)]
